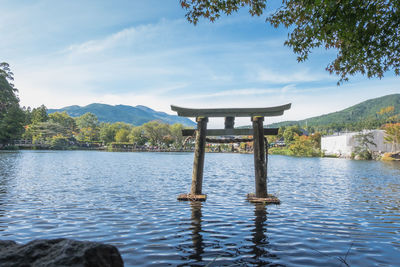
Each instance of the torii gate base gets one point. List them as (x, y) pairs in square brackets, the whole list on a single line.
[(190, 197), (260, 146), (270, 199)]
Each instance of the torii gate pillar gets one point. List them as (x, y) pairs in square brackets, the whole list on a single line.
[(260, 166), (198, 163)]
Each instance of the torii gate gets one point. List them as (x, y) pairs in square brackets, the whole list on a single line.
[(258, 132)]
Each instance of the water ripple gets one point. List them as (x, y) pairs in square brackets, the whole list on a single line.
[(330, 207)]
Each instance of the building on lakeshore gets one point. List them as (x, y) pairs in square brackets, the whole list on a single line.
[(343, 144)]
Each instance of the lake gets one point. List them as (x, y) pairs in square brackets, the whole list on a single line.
[(331, 210)]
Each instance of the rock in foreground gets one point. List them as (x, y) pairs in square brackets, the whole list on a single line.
[(59, 252)]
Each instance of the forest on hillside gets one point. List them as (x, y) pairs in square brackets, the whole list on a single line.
[(370, 114)]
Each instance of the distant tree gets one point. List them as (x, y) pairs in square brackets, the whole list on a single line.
[(45, 131), (8, 95), (335, 127), (363, 143), (155, 131), (107, 133), (281, 130), (176, 134), (11, 124), (290, 132), (65, 120), (387, 115), (316, 140), (365, 34), (386, 110), (39, 114), (122, 135), (87, 120), (6, 72), (88, 134), (303, 146), (121, 125), (310, 129), (89, 129), (39, 128), (392, 135), (28, 115), (59, 142), (138, 136), (11, 115)]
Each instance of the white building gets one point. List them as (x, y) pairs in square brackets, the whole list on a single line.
[(342, 144)]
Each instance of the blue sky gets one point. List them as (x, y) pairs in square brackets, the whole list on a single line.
[(145, 53)]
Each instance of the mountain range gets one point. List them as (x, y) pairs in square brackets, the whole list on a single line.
[(141, 114), (357, 113), (122, 113)]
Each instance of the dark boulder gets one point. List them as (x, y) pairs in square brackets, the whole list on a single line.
[(59, 252)]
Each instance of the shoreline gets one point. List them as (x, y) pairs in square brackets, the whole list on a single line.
[(391, 156)]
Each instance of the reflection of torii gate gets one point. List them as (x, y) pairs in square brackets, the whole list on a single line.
[(258, 132)]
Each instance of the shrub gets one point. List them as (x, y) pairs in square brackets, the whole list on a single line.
[(59, 142), (304, 146)]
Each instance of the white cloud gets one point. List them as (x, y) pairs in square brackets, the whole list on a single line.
[(230, 93), (127, 37), (284, 77)]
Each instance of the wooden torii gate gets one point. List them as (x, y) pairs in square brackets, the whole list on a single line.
[(258, 132)]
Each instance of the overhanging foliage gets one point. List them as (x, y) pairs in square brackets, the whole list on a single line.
[(366, 34)]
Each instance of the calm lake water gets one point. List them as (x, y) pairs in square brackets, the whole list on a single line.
[(330, 208)]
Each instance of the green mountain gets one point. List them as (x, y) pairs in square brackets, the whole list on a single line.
[(363, 111), (122, 113)]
